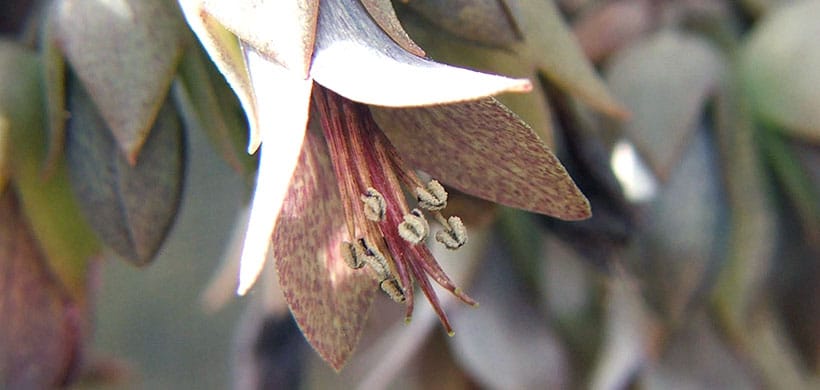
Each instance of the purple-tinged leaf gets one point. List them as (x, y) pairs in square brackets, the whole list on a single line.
[(41, 333)]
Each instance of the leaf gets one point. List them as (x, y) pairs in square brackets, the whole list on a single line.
[(130, 206), (385, 16), (607, 28), (50, 207), (125, 53), (5, 170), (483, 149), (54, 81), (223, 48), (41, 333), (559, 56), (216, 111), (533, 356), (486, 22), (780, 66), (281, 30), (355, 58), (328, 299), (666, 81)]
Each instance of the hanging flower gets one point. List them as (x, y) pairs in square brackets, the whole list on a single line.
[(345, 108)]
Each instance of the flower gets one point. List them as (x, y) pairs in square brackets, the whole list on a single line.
[(329, 203)]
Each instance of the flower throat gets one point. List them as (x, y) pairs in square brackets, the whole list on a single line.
[(386, 236)]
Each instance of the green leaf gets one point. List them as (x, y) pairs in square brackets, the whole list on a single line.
[(49, 205), (126, 54), (217, 110), (665, 80), (130, 206), (780, 66)]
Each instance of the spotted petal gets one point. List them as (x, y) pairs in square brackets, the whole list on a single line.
[(355, 58), (483, 149), (328, 299)]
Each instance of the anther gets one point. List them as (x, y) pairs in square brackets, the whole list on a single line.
[(414, 229), (350, 255), (375, 259), (432, 198), (454, 235), (374, 205), (393, 289)]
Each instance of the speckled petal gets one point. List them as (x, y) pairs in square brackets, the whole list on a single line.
[(280, 29), (328, 299), (482, 148), (355, 58)]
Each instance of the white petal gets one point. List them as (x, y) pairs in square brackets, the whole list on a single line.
[(285, 97), (355, 58)]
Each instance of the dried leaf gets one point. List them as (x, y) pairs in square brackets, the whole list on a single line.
[(357, 60), (483, 149), (130, 206), (385, 16), (486, 22), (666, 81), (780, 65), (328, 299), (42, 329), (126, 54), (281, 30), (559, 56)]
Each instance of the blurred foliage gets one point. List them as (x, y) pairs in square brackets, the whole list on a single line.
[(691, 126)]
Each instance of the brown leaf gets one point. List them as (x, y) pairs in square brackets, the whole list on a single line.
[(355, 58), (131, 207), (328, 299), (283, 30), (41, 331), (665, 80), (780, 65), (483, 149), (126, 54), (486, 22)]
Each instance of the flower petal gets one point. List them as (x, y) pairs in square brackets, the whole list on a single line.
[(280, 29), (355, 58), (328, 299), (125, 53), (224, 51), (483, 149), (286, 98)]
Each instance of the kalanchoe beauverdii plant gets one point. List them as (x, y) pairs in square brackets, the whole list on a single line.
[(383, 110)]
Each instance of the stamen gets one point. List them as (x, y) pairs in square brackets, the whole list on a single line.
[(375, 259), (350, 255), (433, 197), (374, 205), (414, 229), (454, 235), (392, 288)]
